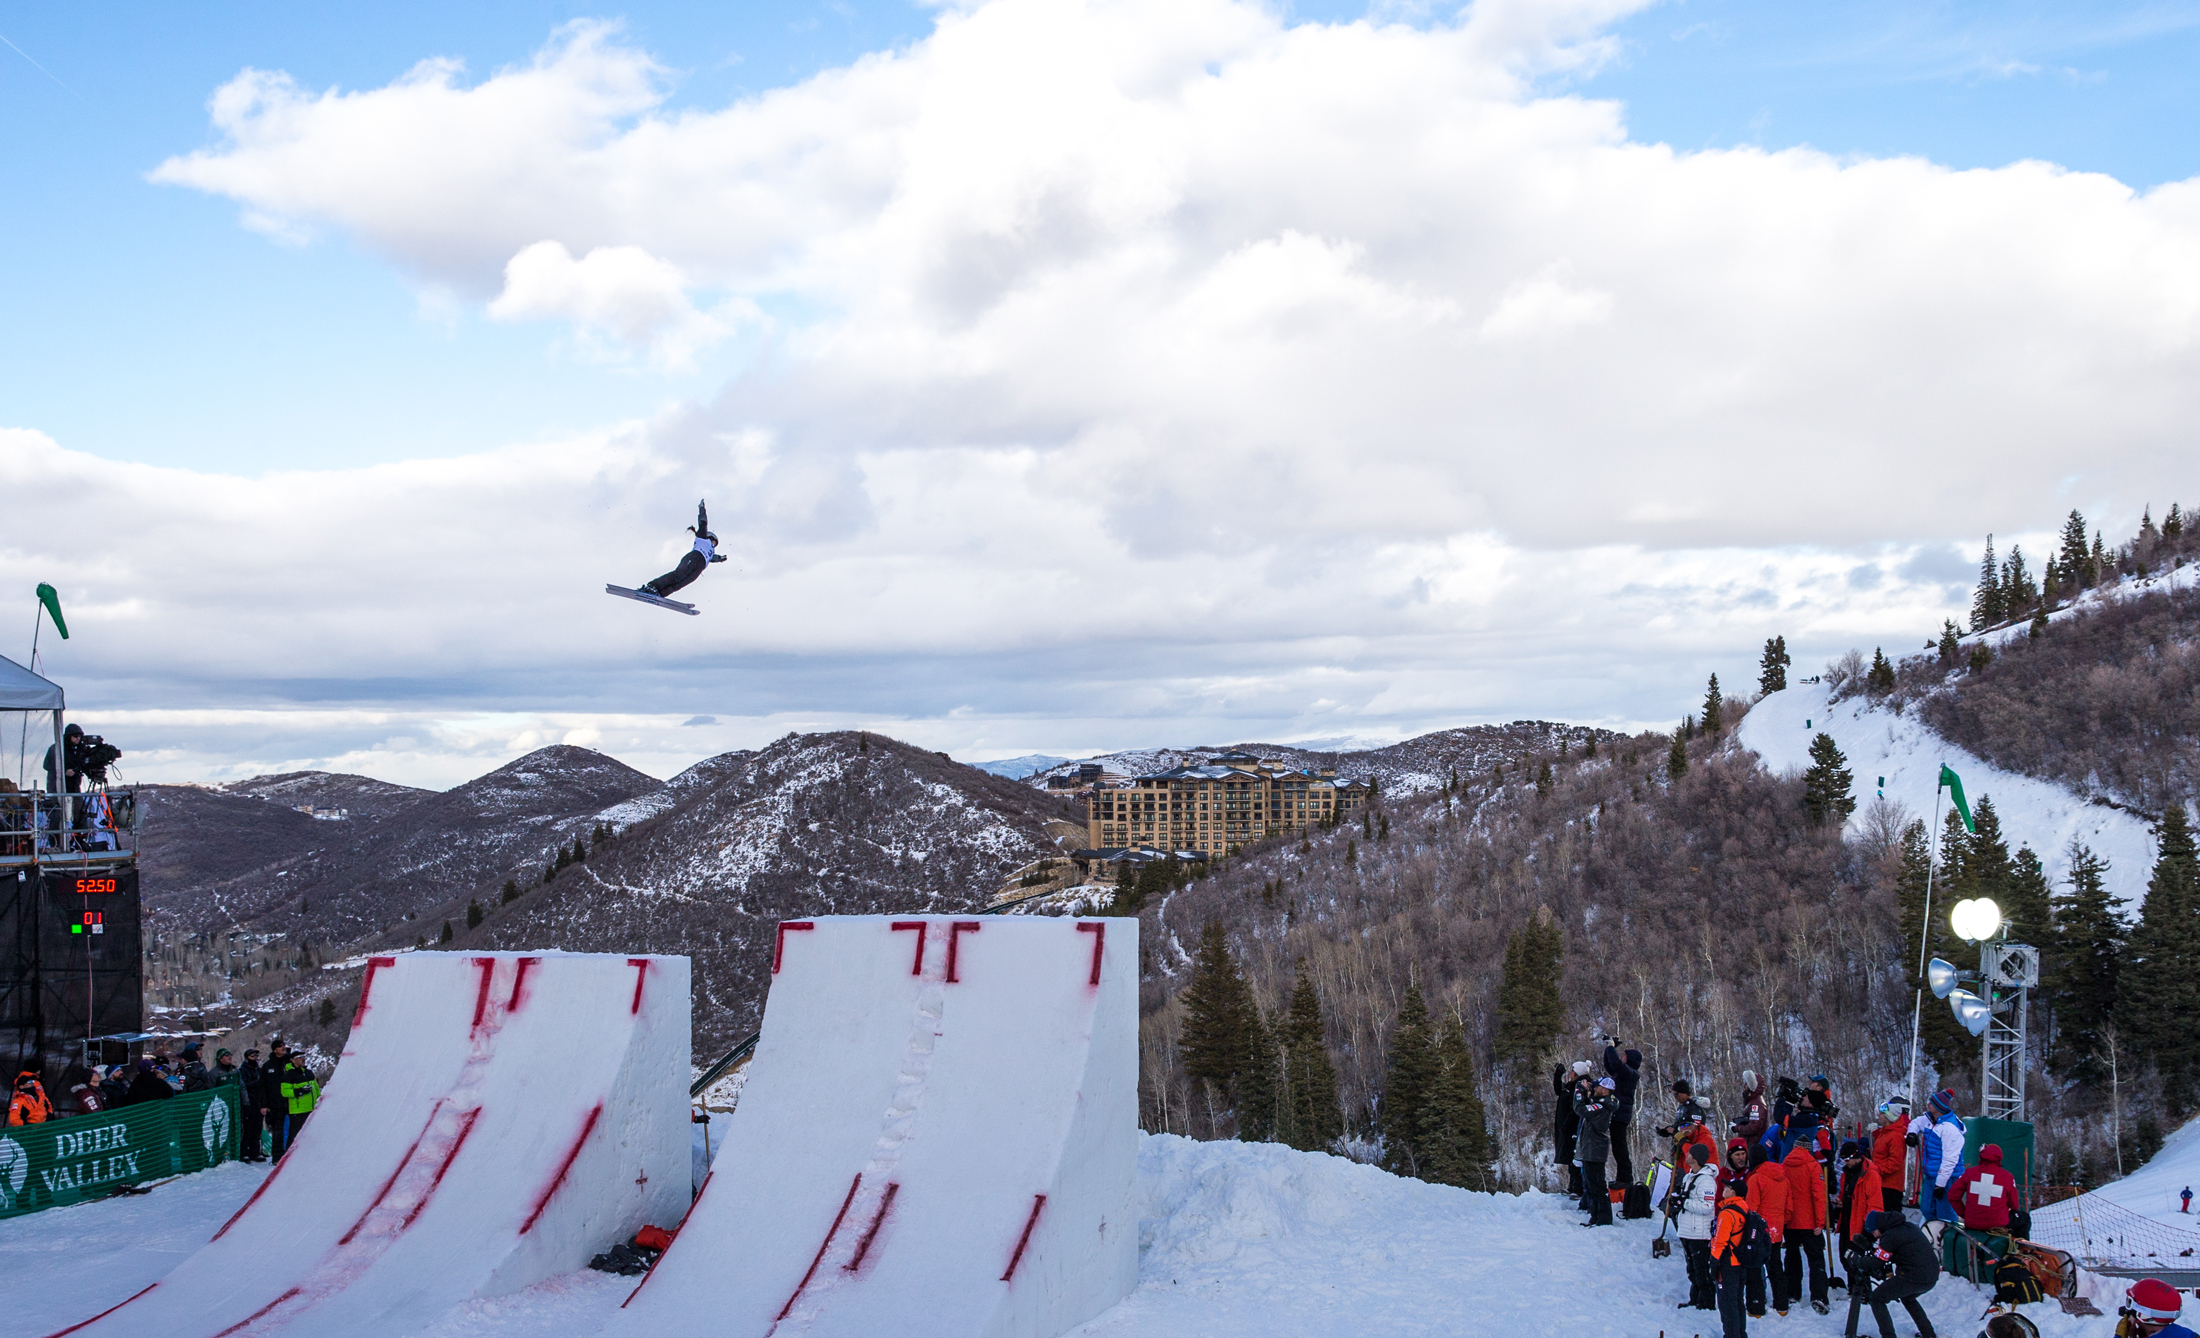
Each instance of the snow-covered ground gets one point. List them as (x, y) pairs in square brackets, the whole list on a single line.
[(2101, 1224), (1879, 743), (1235, 1239)]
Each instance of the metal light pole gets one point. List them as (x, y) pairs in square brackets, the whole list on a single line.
[(2007, 973)]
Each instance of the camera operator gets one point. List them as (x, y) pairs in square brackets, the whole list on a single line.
[(72, 748)]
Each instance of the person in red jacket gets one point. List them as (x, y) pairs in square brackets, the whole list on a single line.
[(1734, 1167), (1750, 1125), (1859, 1197), (1768, 1198), (1804, 1236), (1891, 1151), (29, 1104), (1986, 1193)]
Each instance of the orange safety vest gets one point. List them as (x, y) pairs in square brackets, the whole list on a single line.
[(29, 1107)]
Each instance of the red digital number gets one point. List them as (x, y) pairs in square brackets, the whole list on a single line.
[(92, 886)]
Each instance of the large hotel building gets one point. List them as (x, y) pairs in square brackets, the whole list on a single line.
[(1234, 801)]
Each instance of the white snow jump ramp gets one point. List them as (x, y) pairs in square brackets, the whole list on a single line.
[(496, 1120), (937, 1139)]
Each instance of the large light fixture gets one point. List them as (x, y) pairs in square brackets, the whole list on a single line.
[(1940, 976), (1976, 920), (1972, 1011)]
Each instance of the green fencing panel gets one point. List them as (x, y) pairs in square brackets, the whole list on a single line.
[(89, 1157), (2014, 1139)]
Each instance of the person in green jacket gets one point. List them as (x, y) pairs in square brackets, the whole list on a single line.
[(300, 1093)]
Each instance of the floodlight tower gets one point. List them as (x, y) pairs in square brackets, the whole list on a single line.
[(2007, 973)]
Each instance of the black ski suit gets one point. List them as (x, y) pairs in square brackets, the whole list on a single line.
[(1626, 1071), (1596, 1145), (249, 1080), (692, 562), (1567, 1126), (1916, 1269)]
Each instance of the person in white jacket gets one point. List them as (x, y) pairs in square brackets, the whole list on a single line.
[(1697, 1202), (1939, 1137)]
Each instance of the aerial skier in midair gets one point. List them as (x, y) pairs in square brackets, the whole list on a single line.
[(680, 577)]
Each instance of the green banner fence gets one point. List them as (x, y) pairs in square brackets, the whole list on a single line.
[(89, 1157)]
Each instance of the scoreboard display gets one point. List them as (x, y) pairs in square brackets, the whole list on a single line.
[(74, 963)]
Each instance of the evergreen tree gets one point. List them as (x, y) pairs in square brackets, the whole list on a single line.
[(1218, 1006), (2018, 593), (1543, 780), (2070, 561), (1408, 1077), (1530, 1009), (1942, 1039), (2039, 621), (2025, 902), (1986, 601), (1826, 796), (2160, 1001), (1950, 646), (1880, 680), (1982, 655), (511, 891), (2173, 524), (1676, 759), (1258, 1082), (1455, 1134), (327, 1015), (2087, 949), (1307, 1115), (1986, 869), (580, 850), (2097, 566), (446, 933), (473, 914), (1714, 709), (1772, 670)]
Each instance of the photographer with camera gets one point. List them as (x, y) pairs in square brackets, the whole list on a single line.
[(87, 756)]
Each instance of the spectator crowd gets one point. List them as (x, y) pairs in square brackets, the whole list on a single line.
[(1782, 1211), (276, 1097)]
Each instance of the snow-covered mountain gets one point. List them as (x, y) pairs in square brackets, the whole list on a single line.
[(1414, 766), (1016, 768), (1883, 744)]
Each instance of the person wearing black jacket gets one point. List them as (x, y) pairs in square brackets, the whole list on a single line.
[(149, 1085), (1566, 1126), (1910, 1267), (249, 1080), (1625, 1068), (272, 1105), (1595, 1106)]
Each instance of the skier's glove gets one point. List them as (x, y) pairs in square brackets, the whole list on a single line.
[(718, 557)]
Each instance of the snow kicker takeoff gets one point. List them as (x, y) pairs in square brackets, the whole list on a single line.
[(691, 566)]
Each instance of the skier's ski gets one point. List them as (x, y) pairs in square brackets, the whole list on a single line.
[(647, 598)]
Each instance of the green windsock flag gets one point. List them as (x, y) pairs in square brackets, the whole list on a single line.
[(1953, 783), (52, 600)]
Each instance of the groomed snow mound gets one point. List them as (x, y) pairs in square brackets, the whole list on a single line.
[(496, 1120), (1878, 742), (938, 1136)]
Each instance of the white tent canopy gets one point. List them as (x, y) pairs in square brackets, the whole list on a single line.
[(22, 690)]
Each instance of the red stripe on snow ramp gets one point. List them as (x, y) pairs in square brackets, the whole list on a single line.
[(822, 1247), (87, 1323), (280, 1163), (551, 1189)]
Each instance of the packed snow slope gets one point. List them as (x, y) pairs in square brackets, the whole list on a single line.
[(1236, 1241), (1880, 743), (2106, 1223)]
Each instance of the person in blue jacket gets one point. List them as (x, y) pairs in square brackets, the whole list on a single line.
[(1940, 1155)]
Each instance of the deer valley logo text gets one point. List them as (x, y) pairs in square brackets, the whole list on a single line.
[(15, 1168), (91, 1157), (214, 1129)]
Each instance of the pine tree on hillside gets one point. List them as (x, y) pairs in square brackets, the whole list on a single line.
[(1986, 868), (1530, 1009), (2070, 561), (1826, 796), (1307, 1114), (580, 850), (1408, 1076), (1218, 1008), (1950, 646), (1258, 1081), (1543, 780), (2159, 1006), (2085, 958), (2039, 620), (1772, 670), (1986, 601), (2018, 593), (1940, 1037), (2025, 903), (473, 914), (2097, 565), (1676, 759), (1455, 1133), (2173, 524), (1714, 709), (1880, 680)]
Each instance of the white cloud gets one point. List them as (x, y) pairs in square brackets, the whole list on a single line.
[(1356, 381), (620, 293)]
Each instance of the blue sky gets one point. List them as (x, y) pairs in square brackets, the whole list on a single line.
[(1083, 374), (145, 324)]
